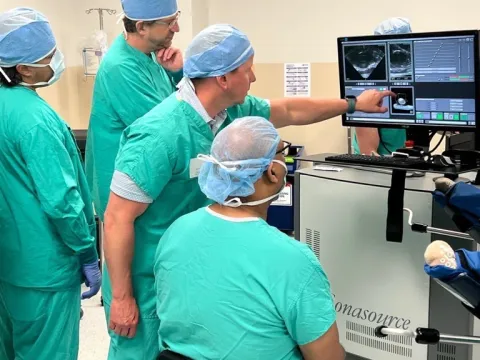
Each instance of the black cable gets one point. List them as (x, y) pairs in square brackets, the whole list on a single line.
[(382, 143), (430, 139)]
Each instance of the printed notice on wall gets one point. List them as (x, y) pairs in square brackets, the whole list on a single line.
[(285, 197), (297, 79)]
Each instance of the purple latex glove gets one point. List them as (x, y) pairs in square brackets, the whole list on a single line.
[(93, 279)]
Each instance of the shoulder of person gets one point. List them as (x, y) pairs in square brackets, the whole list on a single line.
[(186, 225), (159, 121), (292, 247), (33, 112)]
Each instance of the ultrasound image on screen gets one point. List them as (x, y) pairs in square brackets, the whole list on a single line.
[(401, 61), (365, 62), (403, 103)]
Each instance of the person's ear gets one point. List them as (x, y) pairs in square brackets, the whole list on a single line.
[(25, 71), (141, 27), (271, 175), (222, 82)]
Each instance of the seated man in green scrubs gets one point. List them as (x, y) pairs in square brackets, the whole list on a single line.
[(155, 178), (228, 284), (382, 141)]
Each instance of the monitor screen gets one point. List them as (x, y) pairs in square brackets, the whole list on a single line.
[(434, 77)]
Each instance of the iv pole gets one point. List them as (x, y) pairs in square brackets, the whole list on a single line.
[(100, 14), (93, 52)]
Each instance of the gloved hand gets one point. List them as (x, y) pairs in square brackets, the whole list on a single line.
[(93, 279)]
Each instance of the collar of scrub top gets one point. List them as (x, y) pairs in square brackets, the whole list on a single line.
[(186, 90)]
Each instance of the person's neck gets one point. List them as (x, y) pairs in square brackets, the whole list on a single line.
[(259, 211), (212, 102), (136, 42)]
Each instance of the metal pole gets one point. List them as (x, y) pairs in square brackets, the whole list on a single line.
[(349, 140), (100, 14), (429, 339), (451, 233), (454, 339)]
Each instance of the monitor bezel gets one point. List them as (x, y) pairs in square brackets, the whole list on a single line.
[(366, 123)]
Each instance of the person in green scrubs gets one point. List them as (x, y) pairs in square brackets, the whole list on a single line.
[(155, 178), (139, 70), (223, 286), (382, 141), (47, 225)]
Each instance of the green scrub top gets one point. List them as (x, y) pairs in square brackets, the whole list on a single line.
[(393, 138), (155, 152), (47, 225), (238, 289), (128, 84)]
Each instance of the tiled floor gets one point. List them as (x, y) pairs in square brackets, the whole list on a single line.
[(94, 340)]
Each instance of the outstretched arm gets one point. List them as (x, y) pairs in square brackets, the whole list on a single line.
[(305, 111)]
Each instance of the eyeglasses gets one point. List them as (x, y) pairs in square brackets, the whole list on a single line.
[(286, 146), (170, 24)]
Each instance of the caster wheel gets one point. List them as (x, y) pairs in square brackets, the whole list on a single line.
[(81, 313), (101, 301)]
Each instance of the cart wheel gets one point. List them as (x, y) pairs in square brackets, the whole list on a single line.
[(81, 313), (101, 301)]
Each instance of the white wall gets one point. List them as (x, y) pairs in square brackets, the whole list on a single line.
[(306, 30)]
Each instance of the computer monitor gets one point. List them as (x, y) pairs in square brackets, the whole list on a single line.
[(434, 75)]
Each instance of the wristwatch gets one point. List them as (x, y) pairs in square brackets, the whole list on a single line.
[(352, 103)]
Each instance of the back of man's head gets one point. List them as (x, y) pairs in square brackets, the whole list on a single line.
[(216, 51), (395, 25), (240, 155)]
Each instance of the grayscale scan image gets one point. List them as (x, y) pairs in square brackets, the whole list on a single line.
[(401, 62), (365, 62)]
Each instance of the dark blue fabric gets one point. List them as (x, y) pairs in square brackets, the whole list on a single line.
[(463, 199), (442, 272), (471, 267)]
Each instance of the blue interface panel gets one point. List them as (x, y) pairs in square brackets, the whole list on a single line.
[(433, 79)]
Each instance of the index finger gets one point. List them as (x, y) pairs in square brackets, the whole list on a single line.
[(386, 93)]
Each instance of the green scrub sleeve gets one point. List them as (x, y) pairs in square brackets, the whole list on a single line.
[(146, 159), (312, 313), (54, 179), (252, 106), (130, 93)]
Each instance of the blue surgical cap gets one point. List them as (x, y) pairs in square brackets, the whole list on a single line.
[(240, 154), (216, 51), (395, 25), (25, 37), (149, 10)]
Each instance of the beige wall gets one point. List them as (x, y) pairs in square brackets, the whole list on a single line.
[(73, 29), (326, 136), (281, 31)]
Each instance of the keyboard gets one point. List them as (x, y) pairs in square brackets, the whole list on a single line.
[(381, 161)]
